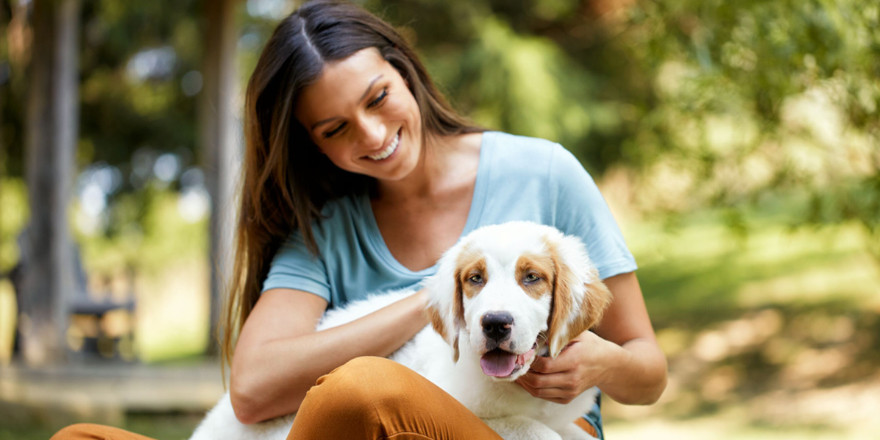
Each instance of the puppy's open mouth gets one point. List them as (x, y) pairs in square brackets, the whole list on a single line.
[(501, 363)]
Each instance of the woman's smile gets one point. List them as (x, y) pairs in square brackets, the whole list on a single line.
[(387, 151)]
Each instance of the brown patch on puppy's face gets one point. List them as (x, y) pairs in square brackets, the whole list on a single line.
[(535, 274), (472, 273)]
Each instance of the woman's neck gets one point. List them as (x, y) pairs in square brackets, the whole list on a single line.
[(444, 164)]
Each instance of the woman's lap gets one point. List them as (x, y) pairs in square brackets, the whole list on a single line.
[(372, 397)]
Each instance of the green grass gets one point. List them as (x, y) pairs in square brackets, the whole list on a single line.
[(774, 333), (705, 267), (158, 426)]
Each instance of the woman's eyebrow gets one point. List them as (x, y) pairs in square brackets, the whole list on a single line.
[(370, 86), (364, 96)]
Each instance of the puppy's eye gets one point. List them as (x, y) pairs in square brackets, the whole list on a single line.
[(531, 278), (476, 278)]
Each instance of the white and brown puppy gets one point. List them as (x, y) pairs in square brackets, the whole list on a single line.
[(501, 295)]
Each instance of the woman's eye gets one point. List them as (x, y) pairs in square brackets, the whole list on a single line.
[(378, 99), (331, 133)]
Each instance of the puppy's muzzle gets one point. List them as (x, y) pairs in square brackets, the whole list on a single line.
[(496, 326)]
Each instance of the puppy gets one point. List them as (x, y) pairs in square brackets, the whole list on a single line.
[(501, 295)]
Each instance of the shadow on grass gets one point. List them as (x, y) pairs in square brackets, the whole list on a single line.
[(733, 338)]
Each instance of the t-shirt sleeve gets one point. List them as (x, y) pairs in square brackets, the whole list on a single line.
[(582, 211), (294, 267)]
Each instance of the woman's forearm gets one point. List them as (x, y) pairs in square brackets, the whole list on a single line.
[(638, 373), (271, 377), (635, 371)]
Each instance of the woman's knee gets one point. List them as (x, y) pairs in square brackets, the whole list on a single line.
[(79, 431), (89, 431), (374, 380), (362, 392), (364, 384)]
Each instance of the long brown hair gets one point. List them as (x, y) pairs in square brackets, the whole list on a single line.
[(286, 180)]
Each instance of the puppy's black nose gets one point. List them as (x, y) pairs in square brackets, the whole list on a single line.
[(496, 325)]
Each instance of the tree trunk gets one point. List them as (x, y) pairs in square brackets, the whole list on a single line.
[(51, 135), (220, 133)]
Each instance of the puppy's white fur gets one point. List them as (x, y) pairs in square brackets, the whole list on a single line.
[(541, 278)]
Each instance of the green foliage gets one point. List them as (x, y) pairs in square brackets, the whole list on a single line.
[(754, 98), (146, 233), (851, 199), (13, 215), (123, 110), (119, 110), (505, 79)]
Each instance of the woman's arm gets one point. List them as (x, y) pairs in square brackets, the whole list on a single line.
[(279, 355), (622, 357)]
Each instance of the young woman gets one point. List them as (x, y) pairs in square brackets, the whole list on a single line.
[(357, 177)]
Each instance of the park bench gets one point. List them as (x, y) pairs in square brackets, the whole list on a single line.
[(101, 322)]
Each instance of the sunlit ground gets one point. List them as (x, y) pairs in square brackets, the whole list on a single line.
[(173, 322), (772, 334)]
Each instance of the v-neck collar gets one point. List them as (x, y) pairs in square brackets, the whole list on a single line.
[(475, 212)]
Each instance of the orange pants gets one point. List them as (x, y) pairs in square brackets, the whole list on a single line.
[(383, 399), (367, 398)]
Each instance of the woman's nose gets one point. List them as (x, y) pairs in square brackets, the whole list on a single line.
[(372, 131)]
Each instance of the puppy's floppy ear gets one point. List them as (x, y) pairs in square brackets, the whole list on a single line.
[(445, 308), (579, 296), (438, 323)]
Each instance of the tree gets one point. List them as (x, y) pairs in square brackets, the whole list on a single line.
[(219, 128), (51, 141)]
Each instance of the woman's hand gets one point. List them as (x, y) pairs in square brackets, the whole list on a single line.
[(579, 367), (622, 357)]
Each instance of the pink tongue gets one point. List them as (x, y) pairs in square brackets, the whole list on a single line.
[(525, 357), (498, 363)]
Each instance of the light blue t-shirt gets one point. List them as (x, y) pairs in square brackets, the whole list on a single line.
[(518, 178)]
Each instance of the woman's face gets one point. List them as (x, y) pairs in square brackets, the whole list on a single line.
[(361, 114)]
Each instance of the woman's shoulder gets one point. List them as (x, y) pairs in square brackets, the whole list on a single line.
[(512, 143), (345, 210), (338, 217), (516, 153)]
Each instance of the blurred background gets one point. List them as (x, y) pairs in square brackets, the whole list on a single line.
[(738, 144)]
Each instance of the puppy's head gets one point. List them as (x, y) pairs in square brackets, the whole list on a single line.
[(505, 292)]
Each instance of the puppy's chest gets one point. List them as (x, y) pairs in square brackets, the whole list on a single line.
[(488, 399), (493, 407)]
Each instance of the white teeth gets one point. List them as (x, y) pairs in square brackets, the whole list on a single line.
[(387, 150)]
